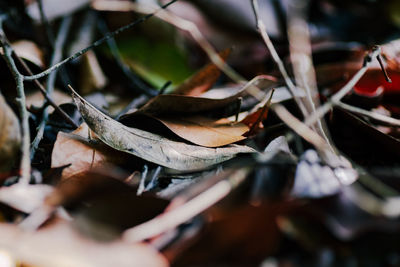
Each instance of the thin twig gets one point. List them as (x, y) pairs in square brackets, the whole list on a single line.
[(299, 127), (263, 31), (164, 87), (42, 90), (372, 115), (321, 111), (95, 44), (57, 55), (154, 177), (300, 55), (25, 164), (142, 182)]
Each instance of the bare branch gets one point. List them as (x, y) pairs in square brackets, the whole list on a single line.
[(41, 88), (25, 164)]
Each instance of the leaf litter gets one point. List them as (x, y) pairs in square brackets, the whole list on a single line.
[(213, 170)]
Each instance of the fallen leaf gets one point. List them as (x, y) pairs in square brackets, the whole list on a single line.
[(93, 77), (82, 153), (202, 80), (373, 140), (172, 111), (37, 99), (10, 136), (153, 147), (79, 188), (254, 120), (59, 245), (30, 51), (181, 104), (106, 216), (205, 131), (172, 104), (339, 73)]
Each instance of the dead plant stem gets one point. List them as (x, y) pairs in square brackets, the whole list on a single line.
[(263, 31)]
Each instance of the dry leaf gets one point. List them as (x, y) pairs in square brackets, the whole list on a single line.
[(59, 245), (28, 50), (206, 131), (202, 80), (81, 153), (170, 104), (153, 147), (180, 104), (37, 99), (10, 136), (172, 111), (92, 75), (254, 120), (339, 73)]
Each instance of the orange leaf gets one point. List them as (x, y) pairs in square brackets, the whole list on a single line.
[(206, 131), (83, 154), (254, 119), (203, 79)]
